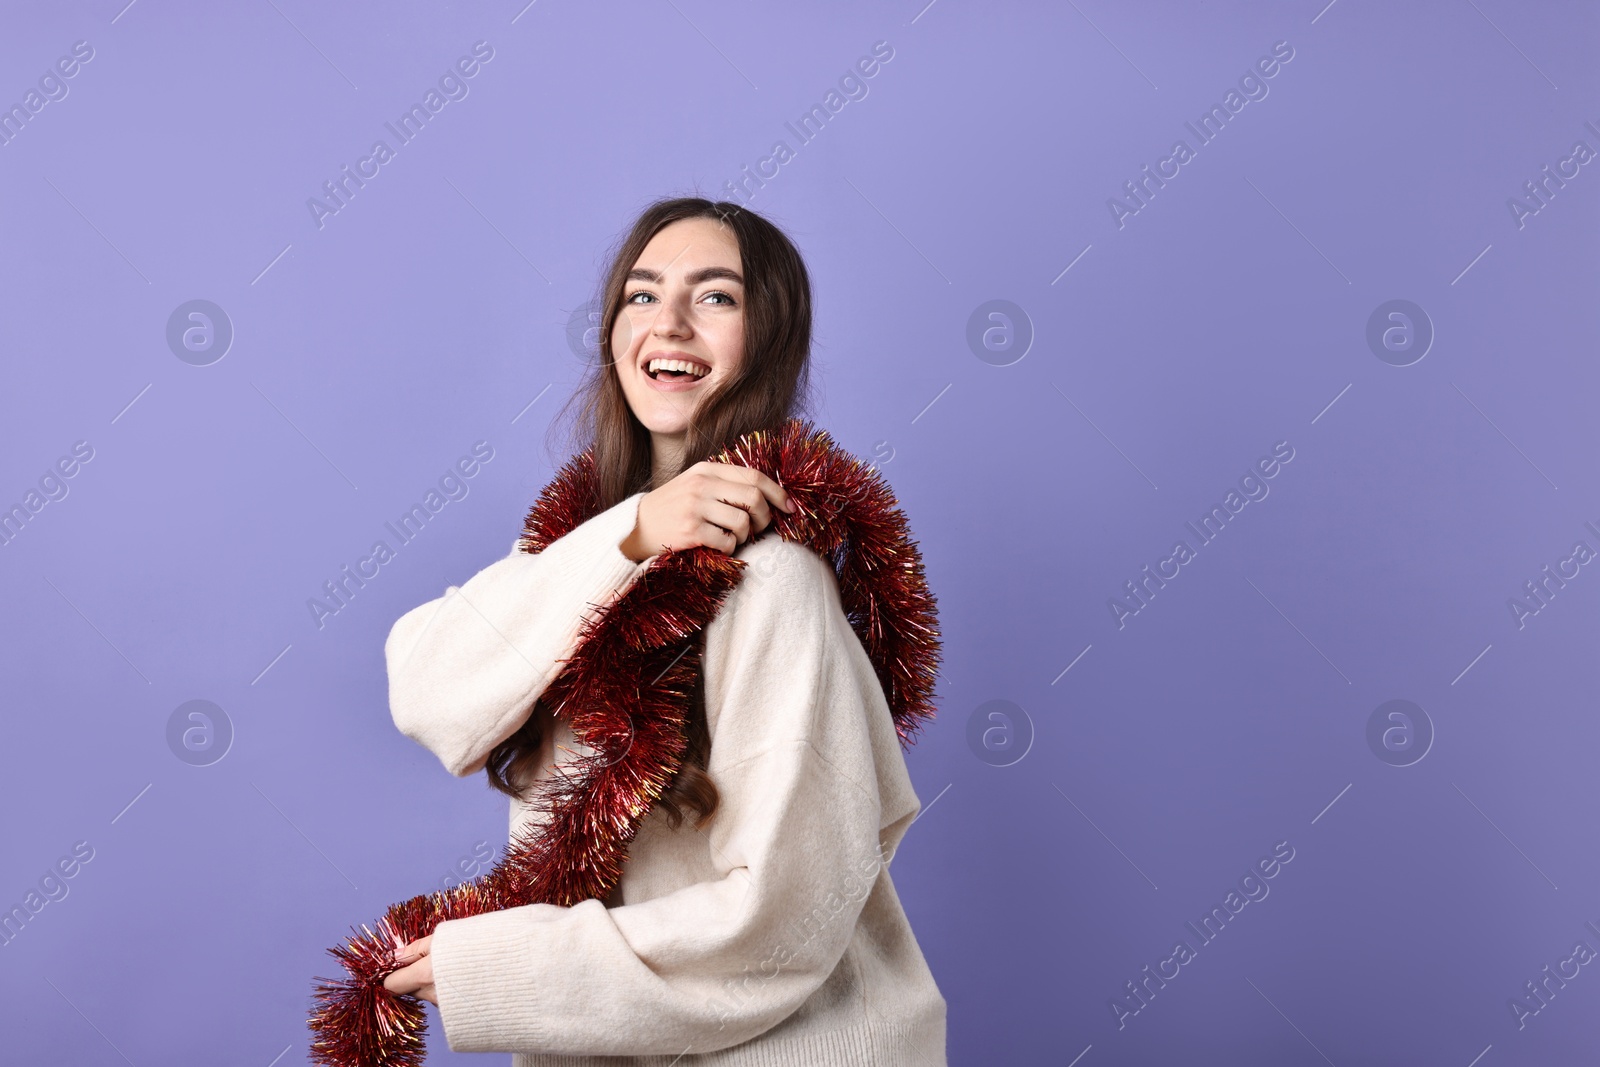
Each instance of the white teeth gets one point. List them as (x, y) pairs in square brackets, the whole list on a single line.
[(676, 364)]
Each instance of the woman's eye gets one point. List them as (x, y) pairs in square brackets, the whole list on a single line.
[(633, 298)]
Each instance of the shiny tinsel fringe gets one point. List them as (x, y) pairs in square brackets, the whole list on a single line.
[(625, 693)]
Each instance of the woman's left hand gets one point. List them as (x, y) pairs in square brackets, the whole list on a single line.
[(417, 977)]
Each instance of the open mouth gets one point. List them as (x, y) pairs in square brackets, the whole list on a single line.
[(675, 370)]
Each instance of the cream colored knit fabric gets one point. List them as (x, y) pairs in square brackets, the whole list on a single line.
[(771, 936)]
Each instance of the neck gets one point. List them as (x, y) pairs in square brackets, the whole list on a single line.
[(666, 456)]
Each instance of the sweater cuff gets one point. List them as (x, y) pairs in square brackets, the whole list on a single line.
[(477, 962), (465, 669), (600, 564)]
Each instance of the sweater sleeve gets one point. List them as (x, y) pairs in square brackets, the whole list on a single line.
[(795, 844), (465, 669)]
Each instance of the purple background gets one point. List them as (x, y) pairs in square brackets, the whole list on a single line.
[(1228, 314)]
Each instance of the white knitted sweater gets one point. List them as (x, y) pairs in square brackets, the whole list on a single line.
[(771, 936)]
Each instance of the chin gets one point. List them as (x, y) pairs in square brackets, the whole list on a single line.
[(663, 422), (668, 429)]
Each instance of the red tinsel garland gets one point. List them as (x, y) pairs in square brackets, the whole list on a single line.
[(625, 692)]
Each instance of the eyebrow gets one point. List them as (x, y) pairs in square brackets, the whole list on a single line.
[(645, 274)]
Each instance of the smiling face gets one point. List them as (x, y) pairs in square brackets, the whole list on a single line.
[(682, 317)]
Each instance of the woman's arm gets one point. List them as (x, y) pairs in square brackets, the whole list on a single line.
[(795, 840), (465, 669)]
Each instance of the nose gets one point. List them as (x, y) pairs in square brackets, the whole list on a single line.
[(669, 321)]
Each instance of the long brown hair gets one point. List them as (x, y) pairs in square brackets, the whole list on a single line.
[(771, 385)]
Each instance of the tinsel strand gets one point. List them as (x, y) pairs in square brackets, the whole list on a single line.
[(627, 686)]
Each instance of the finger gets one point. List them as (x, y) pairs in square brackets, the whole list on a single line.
[(713, 536), (753, 500), (771, 490), (730, 517), (398, 983)]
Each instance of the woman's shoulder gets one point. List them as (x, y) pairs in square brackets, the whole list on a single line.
[(785, 611), (774, 646), (780, 574), (787, 677), (791, 588)]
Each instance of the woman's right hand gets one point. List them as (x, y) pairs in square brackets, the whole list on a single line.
[(719, 505)]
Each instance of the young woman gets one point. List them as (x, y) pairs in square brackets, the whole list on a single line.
[(766, 930)]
